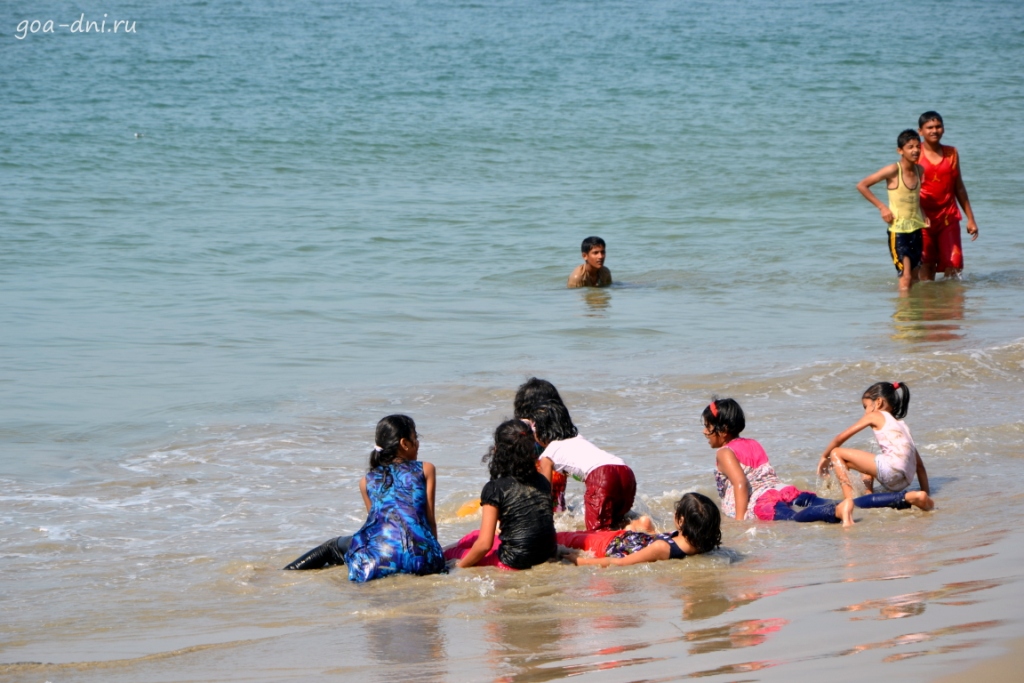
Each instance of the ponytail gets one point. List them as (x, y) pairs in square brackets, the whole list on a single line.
[(896, 394), (388, 438)]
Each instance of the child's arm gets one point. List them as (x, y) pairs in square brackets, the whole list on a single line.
[(546, 467), (366, 496), (961, 196), (887, 173), (430, 474), (488, 523), (873, 420), (730, 467), (658, 550), (922, 474)]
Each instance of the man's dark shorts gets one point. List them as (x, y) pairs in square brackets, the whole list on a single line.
[(905, 244)]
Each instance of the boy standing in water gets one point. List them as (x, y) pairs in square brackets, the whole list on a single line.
[(904, 211), (591, 273), (941, 188)]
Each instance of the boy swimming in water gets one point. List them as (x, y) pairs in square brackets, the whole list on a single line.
[(903, 214), (591, 273)]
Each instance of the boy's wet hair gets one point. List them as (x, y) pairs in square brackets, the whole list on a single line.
[(551, 422), (701, 521), (513, 453), (896, 394), (724, 416), (929, 116), (531, 394), (906, 136), (390, 432), (591, 242)]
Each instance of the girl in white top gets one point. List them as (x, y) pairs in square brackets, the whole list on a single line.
[(897, 464)]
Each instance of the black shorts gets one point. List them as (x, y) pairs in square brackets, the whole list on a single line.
[(905, 244)]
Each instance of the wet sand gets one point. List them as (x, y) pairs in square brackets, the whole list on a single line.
[(1008, 667)]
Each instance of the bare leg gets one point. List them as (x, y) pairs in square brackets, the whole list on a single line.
[(842, 474), (642, 523), (844, 511), (927, 271), (907, 276), (869, 482), (919, 499)]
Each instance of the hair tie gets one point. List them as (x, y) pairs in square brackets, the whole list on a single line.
[(378, 448), (714, 408), (895, 385)]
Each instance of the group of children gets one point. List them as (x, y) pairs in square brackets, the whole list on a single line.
[(533, 453), (925, 186)]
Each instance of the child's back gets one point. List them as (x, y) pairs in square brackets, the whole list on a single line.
[(396, 537)]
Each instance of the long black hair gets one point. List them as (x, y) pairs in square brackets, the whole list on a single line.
[(896, 394), (724, 416), (390, 432), (513, 453), (701, 521), (532, 393), (551, 422)]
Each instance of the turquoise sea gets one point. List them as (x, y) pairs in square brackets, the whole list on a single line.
[(233, 238)]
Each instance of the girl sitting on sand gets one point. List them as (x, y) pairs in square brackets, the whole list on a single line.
[(885, 405), (749, 487), (698, 530), (400, 533), (519, 497)]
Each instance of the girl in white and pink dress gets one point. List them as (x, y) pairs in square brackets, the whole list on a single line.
[(885, 404)]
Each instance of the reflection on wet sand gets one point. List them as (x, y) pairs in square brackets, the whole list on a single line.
[(740, 634), (913, 604), (521, 644), (923, 637), (408, 647), (930, 313)]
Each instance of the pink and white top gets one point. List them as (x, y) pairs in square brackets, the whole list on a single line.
[(759, 472), (898, 450), (577, 457)]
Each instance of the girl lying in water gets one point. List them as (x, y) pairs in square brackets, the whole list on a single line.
[(698, 530)]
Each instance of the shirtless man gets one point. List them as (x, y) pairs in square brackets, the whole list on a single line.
[(942, 188), (591, 273)]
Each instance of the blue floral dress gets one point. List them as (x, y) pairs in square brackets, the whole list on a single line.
[(396, 538)]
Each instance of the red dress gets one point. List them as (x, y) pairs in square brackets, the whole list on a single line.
[(941, 240)]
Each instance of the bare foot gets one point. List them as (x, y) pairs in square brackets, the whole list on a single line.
[(844, 511), (919, 499), (642, 523)]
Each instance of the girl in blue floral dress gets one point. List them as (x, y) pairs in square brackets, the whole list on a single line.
[(400, 533)]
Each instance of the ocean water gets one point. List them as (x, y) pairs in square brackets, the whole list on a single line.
[(237, 236)]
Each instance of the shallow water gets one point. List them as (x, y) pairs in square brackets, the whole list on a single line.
[(339, 211)]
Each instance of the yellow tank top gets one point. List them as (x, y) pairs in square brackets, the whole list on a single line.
[(905, 204)]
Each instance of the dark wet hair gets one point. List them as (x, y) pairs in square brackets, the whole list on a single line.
[(532, 393), (701, 521), (551, 422), (390, 432), (906, 136), (591, 242), (513, 453), (724, 416), (929, 116), (896, 394)]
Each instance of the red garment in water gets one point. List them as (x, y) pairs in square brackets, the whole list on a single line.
[(609, 496), (459, 550), (764, 508), (941, 246), (592, 541)]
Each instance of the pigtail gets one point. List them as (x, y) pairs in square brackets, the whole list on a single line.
[(895, 394), (388, 438)]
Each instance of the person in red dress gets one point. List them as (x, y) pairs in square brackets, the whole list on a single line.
[(942, 188)]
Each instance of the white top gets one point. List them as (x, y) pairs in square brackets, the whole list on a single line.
[(577, 457), (897, 446)]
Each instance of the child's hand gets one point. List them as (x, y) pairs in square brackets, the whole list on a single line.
[(886, 214), (823, 466)]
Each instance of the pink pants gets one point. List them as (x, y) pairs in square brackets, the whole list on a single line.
[(459, 550)]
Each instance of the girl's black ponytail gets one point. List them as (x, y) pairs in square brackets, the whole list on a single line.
[(896, 394), (387, 440)]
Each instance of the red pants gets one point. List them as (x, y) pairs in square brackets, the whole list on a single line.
[(459, 550), (940, 246), (591, 541), (609, 496)]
